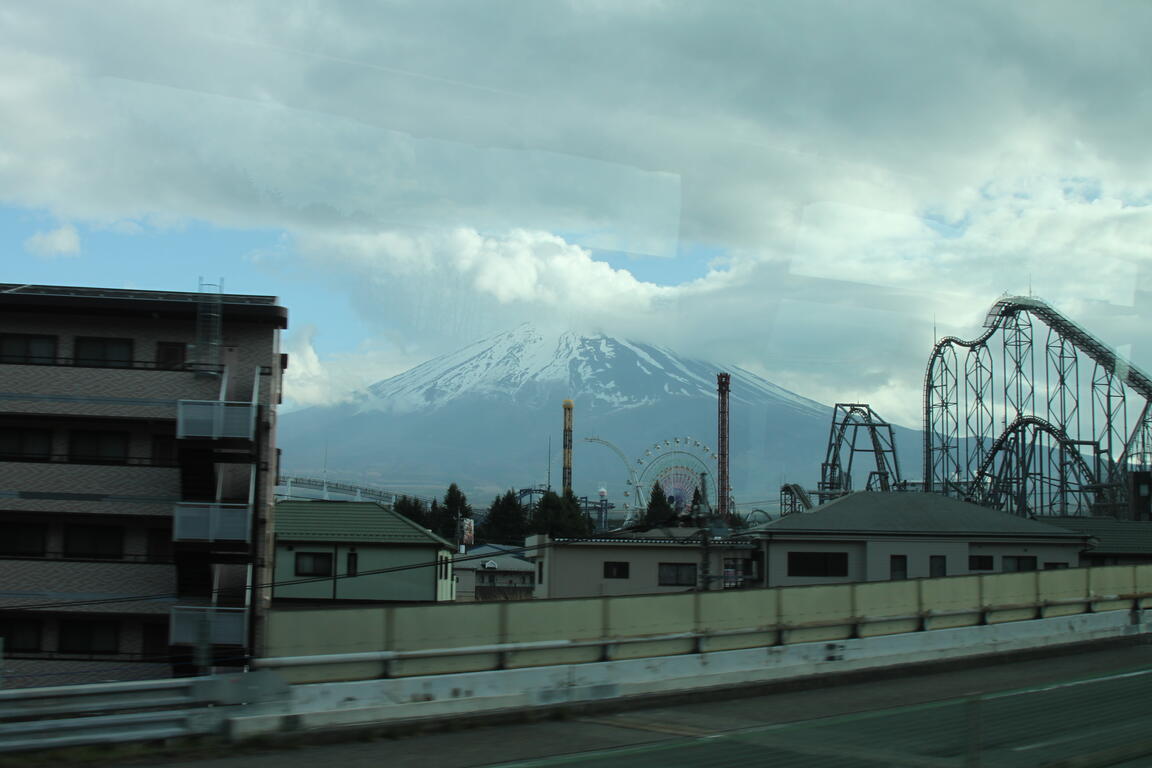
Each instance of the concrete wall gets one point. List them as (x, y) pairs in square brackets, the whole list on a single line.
[(631, 625), (365, 702)]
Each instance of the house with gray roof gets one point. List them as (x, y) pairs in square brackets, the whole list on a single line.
[(873, 536), (357, 551), (494, 572), (1114, 542)]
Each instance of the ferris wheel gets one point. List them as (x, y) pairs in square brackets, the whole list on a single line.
[(681, 465)]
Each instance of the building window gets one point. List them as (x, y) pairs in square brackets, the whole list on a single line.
[(27, 348), (171, 354), (1016, 563), (21, 634), (96, 541), (25, 444), (93, 447), (981, 563), (677, 575), (89, 636), (313, 564), (614, 570), (160, 545), (102, 353), (1054, 566), (539, 571), (898, 567), (164, 450), (738, 572), (353, 563), (154, 641), (833, 564), (937, 566), (27, 539)]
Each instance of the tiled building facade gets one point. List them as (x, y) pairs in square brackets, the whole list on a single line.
[(137, 471)]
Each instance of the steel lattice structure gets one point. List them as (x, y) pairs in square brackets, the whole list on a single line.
[(1036, 416), (681, 466), (844, 442)]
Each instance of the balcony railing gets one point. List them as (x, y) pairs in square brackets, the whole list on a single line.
[(191, 625), (215, 419), (211, 522)]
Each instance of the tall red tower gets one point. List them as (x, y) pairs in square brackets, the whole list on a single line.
[(723, 382)]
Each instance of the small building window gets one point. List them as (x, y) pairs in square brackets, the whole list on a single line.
[(1054, 566), (1016, 563), (154, 641), (615, 570), (89, 636), (832, 564), (27, 348), (27, 539), (25, 444), (981, 563), (676, 575), (98, 447), (21, 634), (171, 354), (95, 541), (937, 566), (102, 353), (539, 571), (898, 567), (313, 563), (353, 563)]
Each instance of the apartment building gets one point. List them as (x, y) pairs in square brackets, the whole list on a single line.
[(137, 473)]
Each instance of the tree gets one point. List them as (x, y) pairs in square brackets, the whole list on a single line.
[(413, 509), (507, 521), (560, 517), (660, 510), (444, 518)]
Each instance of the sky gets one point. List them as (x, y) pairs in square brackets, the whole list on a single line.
[(813, 191)]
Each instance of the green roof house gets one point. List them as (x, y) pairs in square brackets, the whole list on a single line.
[(357, 551)]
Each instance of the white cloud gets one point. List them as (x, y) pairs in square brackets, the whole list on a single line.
[(861, 178), (55, 243)]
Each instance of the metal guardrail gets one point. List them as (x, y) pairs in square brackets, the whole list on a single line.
[(104, 713)]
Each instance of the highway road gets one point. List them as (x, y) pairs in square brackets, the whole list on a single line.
[(1088, 706)]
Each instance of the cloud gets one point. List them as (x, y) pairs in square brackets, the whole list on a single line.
[(55, 243), (865, 172)]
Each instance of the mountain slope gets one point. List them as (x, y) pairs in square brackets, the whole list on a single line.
[(489, 418)]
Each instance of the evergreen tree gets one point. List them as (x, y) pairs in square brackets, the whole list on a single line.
[(456, 503), (507, 521), (440, 522), (413, 509), (560, 517), (660, 510)]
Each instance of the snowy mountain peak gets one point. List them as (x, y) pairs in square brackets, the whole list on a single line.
[(529, 368)]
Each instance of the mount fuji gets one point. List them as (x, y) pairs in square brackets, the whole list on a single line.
[(488, 417)]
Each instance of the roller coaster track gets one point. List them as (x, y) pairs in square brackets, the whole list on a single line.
[(836, 471), (960, 420)]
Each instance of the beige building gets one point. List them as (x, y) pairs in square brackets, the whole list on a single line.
[(657, 561), (872, 536), (137, 460), (863, 536), (357, 551), (494, 572)]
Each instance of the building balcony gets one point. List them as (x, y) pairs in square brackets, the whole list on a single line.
[(215, 419), (212, 522), (128, 392), (191, 625)]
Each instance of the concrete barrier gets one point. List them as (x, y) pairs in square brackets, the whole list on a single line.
[(367, 703)]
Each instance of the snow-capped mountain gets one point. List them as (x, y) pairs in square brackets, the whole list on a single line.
[(489, 418), (606, 373)]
